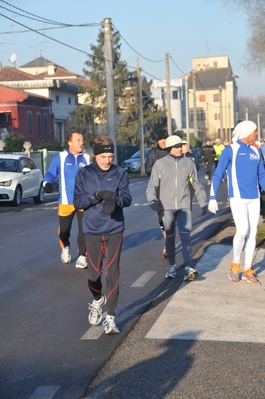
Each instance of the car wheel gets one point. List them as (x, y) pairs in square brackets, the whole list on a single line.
[(17, 197), (40, 197)]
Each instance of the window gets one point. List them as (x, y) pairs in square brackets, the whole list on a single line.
[(175, 94), (30, 128), (69, 101), (202, 98), (57, 98), (216, 117), (45, 125), (39, 124), (216, 97)]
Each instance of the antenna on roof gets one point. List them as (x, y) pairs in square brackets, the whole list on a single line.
[(13, 59)]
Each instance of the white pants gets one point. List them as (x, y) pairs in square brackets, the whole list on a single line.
[(246, 217)]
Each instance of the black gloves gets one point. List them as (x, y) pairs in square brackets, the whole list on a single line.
[(48, 188), (204, 210), (109, 204), (103, 195), (154, 205)]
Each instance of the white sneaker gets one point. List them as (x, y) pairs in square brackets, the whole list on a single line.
[(110, 326), (81, 262), (172, 271), (66, 256), (190, 273), (95, 314)]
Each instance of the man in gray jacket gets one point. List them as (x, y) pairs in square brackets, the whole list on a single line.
[(174, 174)]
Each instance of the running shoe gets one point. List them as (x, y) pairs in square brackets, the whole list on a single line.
[(110, 326), (81, 262), (66, 256), (209, 182), (95, 314), (234, 272), (164, 253), (172, 271), (249, 276), (190, 273), (206, 177)]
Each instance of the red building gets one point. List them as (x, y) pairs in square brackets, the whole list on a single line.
[(25, 113)]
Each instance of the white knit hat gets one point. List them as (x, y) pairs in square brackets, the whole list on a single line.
[(243, 129)]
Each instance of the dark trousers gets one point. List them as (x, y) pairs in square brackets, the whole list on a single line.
[(209, 169), (98, 248), (65, 224)]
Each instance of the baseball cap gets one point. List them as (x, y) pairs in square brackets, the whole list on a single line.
[(173, 141)]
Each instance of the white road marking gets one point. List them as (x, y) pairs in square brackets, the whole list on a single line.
[(94, 332), (44, 392), (141, 281)]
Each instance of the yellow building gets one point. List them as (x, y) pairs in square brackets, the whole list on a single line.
[(212, 96)]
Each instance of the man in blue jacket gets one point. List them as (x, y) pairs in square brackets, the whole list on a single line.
[(245, 173), (102, 190), (65, 165)]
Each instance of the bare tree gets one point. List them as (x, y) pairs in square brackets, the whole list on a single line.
[(255, 46)]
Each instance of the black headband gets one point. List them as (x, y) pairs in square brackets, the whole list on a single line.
[(101, 148)]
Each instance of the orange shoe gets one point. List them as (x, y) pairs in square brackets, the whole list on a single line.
[(249, 276), (234, 272)]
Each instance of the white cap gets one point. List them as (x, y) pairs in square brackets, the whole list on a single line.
[(173, 140)]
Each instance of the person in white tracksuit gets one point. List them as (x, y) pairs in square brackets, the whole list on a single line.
[(244, 164)]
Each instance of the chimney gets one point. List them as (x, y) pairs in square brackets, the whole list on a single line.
[(51, 69)]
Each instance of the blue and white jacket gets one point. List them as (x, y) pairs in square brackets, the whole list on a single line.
[(65, 165), (245, 171)]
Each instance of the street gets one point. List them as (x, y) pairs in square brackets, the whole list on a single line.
[(48, 349)]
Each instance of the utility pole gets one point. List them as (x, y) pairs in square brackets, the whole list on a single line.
[(194, 104), (246, 114), (221, 115), (258, 123), (141, 125), (229, 122), (169, 124), (109, 84), (187, 113)]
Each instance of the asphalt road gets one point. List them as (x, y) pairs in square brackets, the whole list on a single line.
[(48, 349)]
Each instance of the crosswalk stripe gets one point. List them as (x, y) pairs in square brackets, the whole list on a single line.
[(44, 392), (143, 279)]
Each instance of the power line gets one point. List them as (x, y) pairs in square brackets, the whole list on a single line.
[(142, 56)]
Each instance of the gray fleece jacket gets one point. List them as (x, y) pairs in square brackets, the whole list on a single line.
[(175, 176)]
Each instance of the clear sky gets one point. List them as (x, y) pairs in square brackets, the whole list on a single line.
[(183, 28)]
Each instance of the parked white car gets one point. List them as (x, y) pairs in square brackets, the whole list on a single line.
[(20, 178)]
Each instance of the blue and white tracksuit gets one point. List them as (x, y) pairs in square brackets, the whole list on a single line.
[(64, 166), (245, 174)]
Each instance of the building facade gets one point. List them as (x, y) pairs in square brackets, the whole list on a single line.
[(212, 98)]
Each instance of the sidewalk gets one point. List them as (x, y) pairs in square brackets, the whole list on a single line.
[(207, 342)]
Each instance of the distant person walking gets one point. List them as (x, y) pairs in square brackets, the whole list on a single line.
[(102, 190), (218, 149), (174, 173), (245, 169), (64, 166), (208, 154), (154, 154)]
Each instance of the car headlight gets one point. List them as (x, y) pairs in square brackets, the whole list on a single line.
[(6, 183)]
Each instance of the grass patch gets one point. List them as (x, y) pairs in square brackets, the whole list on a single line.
[(261, 236)]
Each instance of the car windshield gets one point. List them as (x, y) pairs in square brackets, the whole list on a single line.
[(137, 154), (8, 165)]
